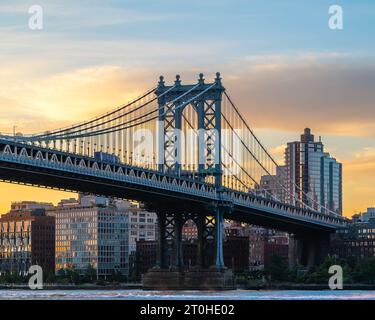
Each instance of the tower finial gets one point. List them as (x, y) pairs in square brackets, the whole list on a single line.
[(178, 81), (201, 79), (161, 81), (218, 79)]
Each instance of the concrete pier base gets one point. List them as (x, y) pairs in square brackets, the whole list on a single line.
[(199, 279), (308, 251)]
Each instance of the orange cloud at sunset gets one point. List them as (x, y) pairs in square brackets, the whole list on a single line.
[(64, 98), (359, 186), (330, 97), (278, 154)]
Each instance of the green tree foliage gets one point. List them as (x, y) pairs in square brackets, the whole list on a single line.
[(90, 274), (364, 271), (50, 277), (354, 271), (320, 273), (117, 276), (278, 269)]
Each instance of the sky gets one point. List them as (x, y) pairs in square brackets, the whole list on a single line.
[(280, 62)]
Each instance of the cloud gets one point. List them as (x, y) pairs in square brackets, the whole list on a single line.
[(68, 15), (278, 153), (100, 15), (330, 96), (358, 181), (362, 163), (14, 8), (69, 97), (42, 101)]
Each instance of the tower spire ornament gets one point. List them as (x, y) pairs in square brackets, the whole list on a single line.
[(177, 81), (161, 81), (201, 79)]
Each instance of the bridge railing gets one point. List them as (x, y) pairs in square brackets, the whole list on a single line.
[(48, 158)]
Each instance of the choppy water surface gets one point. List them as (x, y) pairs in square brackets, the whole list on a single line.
[(182, 295)]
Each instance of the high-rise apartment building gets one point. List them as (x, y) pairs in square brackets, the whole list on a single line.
[(331, 184), (92, 235), (313, 176), (100, 232)]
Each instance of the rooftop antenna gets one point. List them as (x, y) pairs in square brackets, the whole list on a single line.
[(14, 132)]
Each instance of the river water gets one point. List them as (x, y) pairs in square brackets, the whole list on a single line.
[(182, 295)]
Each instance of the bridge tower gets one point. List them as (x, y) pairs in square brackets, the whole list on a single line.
[(205, 98)]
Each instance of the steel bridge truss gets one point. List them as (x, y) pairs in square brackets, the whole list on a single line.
[(209, 239), (205, 99)]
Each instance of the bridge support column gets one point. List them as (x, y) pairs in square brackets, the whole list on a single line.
[(316, 249), (179, 262), (308, 250), (294, 251), (200, 254), (161, 263), (219, 219), (210, 229), (320, 248), (311, 253)]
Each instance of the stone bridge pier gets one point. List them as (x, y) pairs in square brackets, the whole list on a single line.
[(209, 273), (308, 250)]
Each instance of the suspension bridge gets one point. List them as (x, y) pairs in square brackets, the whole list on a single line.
[(186, 152)]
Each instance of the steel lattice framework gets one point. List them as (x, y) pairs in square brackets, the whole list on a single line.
[(205, 101)]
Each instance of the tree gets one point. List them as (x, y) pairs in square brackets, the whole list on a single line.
[(72, 275), (366, 270), (319, 274), (90, 273), (351, 262), (278, 269), (50, 277), (61, 273), (117, 276)]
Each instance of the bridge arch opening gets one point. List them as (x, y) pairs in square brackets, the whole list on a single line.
[(190, 243), (189, 147)]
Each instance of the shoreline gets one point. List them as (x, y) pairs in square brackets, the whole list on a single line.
[(73, 287), (306, 287), (138, 286)]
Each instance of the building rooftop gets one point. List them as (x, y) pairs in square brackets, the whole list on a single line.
[(307, 136), (24, 215)]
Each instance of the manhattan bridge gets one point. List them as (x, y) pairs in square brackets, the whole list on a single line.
[(186, 152)]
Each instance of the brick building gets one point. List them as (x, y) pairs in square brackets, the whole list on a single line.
[(236, 252), (275, 248), (357, 239), (27, 237), (189, 231)]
